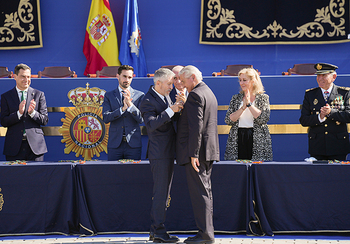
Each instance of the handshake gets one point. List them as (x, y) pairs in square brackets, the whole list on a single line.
[(179, 103)]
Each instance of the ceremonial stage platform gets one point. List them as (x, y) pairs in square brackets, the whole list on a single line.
[(287, 196), (143, 238)]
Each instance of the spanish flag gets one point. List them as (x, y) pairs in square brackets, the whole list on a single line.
[(101, 43)]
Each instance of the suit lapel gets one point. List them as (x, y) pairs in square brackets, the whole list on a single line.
[(132, 92), (172, 95), (15, 97), (117, 96), (320, 97), (333, 94), (30, 96), (157, 98)]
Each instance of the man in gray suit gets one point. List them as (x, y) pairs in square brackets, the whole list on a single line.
[(120, 108), (197, 147), (158, 117), (23, 112)]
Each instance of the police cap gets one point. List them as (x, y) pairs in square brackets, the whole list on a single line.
[(323, 68)]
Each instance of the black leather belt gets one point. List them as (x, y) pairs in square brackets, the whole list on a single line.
[(124, 138)]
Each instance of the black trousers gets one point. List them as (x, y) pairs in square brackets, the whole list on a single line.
[(341, 157), (245, 143), (25, 153), (162, 171)]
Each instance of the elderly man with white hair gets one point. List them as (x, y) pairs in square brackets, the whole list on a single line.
[(197, 147)]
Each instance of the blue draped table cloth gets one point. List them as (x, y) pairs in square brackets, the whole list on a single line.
[(111, 197)]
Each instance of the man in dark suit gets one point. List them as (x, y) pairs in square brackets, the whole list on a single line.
[(326, 110), (178, 86), (23, 112), (197, 147), (121, 110), (158, 117)]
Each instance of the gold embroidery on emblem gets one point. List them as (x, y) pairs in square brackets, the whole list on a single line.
[(318, 66), (337, 122), (315, 101)]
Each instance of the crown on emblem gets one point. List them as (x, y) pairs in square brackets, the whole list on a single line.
[(106, 20), (86, 96), (318, 66)]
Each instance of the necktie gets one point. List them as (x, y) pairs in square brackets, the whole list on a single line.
[(22, 98), (166, 102), (326, 94)]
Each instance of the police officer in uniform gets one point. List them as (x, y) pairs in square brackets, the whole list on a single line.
[(326, 110)]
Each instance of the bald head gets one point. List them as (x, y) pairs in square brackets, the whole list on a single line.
[(177, 82)]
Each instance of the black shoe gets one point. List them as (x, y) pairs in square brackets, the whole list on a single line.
[(198, 240), (165, 238), (151, 237)]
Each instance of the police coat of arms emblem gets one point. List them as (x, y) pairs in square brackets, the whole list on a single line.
[(83, 129)]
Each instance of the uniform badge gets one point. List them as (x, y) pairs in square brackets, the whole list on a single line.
[(83, 129), (315, 101), (337, 122), (318, 66)]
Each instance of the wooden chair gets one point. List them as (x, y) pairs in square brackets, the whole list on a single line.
[(232, 70), (4, 72), (301, 69), (168, 66), (106, 71), (164, 66), (57, 72)]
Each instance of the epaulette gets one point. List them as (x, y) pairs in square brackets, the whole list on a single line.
[(345, 88), (310, 89)]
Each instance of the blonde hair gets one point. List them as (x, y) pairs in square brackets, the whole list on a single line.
[(258, 87)]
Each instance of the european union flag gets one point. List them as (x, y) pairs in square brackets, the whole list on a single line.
[(131, 49)]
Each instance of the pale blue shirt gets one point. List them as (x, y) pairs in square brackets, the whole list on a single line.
[(121, 95)]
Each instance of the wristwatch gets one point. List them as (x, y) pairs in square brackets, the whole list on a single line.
[(248, 105)]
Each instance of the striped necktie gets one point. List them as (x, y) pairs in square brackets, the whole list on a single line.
[(326, 94)]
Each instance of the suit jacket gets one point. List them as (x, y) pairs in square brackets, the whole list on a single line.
[(129, 121), (172, 95), (331, 136), (35, 135), (160, 127), (197, 133)]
